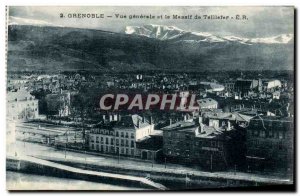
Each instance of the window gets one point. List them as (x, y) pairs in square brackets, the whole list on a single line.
[(126, 135), (132, 136), (126, 142), (122, 134), (262, 133), (219, 144), (106, 140), (92, 138), (97, 139), (101, 139), (122, 142), (213, 144), (117, 133), (270, 134), (117, 142), (255, 133), (93, 146), (132, 152), (187, 137), (132, 144), (112, 141)]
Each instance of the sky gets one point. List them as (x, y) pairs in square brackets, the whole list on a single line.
[(262, 21)]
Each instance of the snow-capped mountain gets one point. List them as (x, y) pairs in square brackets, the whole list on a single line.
[(173, 33)]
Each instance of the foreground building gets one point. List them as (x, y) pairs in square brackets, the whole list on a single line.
[(22, 106), (196, 143), (120, 137), (270, 143)]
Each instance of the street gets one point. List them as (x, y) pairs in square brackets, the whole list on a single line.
[(46, 152)]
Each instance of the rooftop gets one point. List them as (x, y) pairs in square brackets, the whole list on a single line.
[(206, 102), (187, 126)]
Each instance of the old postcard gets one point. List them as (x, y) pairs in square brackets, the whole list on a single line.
[(150, 98)]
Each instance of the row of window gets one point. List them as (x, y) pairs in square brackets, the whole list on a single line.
[(266, 145), (197, 143), (111, 141), (22, 105), (269, 134), (178, 135), (112, 149), (108, 132)]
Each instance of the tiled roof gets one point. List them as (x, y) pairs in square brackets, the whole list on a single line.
[(209, 132), (206, 102), (132, 121), (182, 126)]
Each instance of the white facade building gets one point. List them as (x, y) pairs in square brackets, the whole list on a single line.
[(121, 137), (21, 106)]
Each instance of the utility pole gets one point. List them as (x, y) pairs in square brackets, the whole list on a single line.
[(66, 145), (186, 180), (211, 165), (65, 150), (119, 156), (152, 160), (85, 157), (235, 169)]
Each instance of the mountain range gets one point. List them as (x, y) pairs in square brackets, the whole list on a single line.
[(39, 46), (173, 33)]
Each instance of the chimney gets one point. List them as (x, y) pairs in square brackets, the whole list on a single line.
[(170, 121), (184, 117), (151, 120), (144, 120), (201, 128), (138, 123), (229, 125), (200, 119)]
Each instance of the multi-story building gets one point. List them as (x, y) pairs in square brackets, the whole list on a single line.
[(21, 106), (243, 87), (120, 137), (197, 143), (270, 143)]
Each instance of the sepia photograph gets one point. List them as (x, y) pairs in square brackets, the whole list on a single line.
[(150, 98)]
